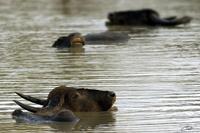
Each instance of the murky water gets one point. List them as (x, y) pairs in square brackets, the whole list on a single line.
[(156, 74)]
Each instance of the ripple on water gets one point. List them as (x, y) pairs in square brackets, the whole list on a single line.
[(155, 74)]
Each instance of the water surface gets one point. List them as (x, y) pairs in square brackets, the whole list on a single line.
[(156, 74)]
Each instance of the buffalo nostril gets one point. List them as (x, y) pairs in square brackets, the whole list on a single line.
[(112, 94)]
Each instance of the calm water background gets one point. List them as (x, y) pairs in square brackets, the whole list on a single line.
[(156, 74)]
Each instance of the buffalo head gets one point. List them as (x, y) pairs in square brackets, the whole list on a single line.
[(64, 100), (72, 40)]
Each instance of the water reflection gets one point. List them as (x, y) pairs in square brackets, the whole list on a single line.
[(63, 126), (88, 121), (72, 50), (155, 75), (92, 120)]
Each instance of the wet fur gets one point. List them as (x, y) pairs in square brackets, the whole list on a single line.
[(63, 101), (66, 41), (80, 100), (144, 17)]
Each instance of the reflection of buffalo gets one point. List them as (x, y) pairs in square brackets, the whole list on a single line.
[(144, 17), (93, 119), (88, 121), (62, 102), (75, 40)]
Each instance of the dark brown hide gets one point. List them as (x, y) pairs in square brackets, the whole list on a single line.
[(62, 102), (144, 17), (72, 40), (80, 100)]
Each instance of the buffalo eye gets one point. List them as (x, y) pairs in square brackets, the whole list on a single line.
[(75, 96), (111, 94)]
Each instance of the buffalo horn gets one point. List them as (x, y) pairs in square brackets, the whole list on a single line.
[(26, 107), (32, 99)]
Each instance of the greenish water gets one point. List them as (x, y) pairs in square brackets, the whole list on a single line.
[(156, 74)]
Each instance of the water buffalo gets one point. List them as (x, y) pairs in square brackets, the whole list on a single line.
[(78, 40), (62, 102), (144, 17), (72, 40)]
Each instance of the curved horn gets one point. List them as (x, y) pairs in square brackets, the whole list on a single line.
[(26, 107), (32, 99)]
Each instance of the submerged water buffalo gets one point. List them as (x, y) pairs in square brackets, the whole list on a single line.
[(72, 40), (78, 40), (62, 102), (144, 17)]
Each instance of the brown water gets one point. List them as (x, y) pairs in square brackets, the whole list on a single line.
[(156, 74)]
